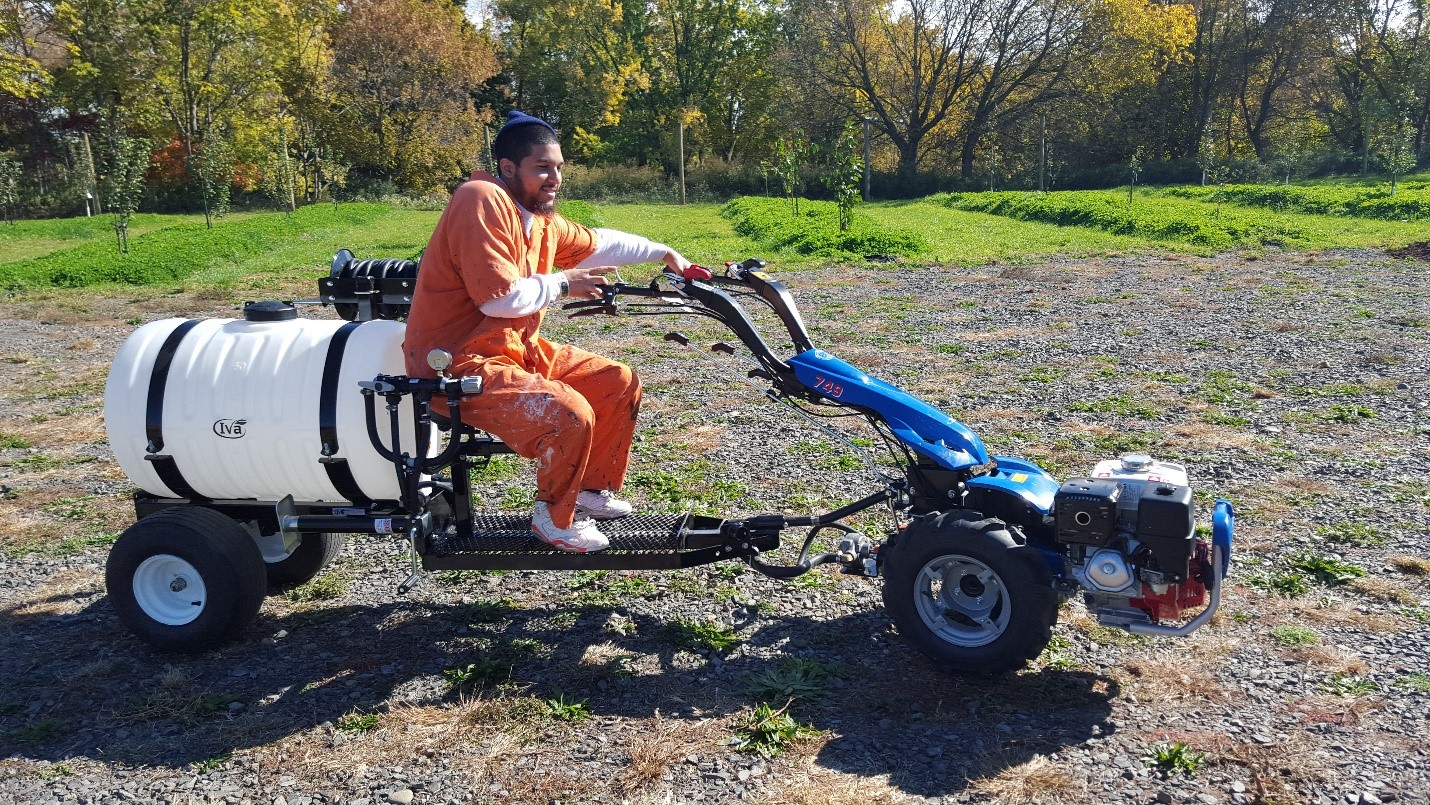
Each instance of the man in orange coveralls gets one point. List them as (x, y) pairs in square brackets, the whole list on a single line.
[(487, 277)]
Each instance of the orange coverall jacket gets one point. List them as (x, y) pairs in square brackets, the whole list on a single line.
[(570, 410)]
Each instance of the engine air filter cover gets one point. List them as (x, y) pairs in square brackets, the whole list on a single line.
[(1086, 510)]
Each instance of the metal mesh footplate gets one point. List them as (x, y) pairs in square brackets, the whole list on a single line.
[(508, 533)]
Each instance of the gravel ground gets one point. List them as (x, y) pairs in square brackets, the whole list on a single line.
[(1295, 385)]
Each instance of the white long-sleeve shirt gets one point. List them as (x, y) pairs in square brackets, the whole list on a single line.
[(613, 248)]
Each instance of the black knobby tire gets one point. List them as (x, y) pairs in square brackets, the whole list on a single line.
[(185, 579), (965, 592), (316, 551)]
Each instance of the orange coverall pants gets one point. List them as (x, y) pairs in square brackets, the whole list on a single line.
[(577, 421)]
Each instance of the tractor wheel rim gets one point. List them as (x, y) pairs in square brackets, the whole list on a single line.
[(962, 601), (169, 590)]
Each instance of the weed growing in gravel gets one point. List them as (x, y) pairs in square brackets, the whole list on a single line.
[(1327, 570), (323, 588), (695, 487), (1291, 585), (794, 679), (211, 764), (1057, 656), (1121, 405), (1174, 758), (482, 673), (497, 469), (1419, 683), (1342, 685), (1421, 614), (1360, 535), (1346, 414), (56, 771), (359, 722), (1294, 636), (584, 578), (12, 441), (485, 611), (700, 635), (562, 710), (767, 732)]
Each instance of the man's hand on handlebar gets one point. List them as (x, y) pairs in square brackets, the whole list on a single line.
[(676, 263), (586, 283)]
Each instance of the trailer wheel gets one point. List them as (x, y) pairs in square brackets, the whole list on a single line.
[(316, 551), (185, 579), (965, 593)]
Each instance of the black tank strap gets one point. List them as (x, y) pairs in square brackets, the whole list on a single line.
[(165, 465), (339, 473)]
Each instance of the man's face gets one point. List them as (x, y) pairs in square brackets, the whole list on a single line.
[(534, 182)]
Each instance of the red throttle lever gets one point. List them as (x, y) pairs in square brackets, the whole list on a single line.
[(695, 272)]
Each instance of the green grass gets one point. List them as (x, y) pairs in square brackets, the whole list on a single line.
[(814, 229), (255, 252), (975, 238), (1185, 224), (249, 254)]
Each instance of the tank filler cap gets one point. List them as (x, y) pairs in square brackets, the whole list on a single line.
[(269, 311), (1136, 462)]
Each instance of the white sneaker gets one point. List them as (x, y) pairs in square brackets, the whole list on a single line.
[(581, 537), (601, 504)]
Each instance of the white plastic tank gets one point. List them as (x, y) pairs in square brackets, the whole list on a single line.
[(240, 406), (1141, 469)]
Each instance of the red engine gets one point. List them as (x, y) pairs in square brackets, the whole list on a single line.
[(1171, 602)]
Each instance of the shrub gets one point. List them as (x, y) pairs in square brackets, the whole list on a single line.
[(1111, 212), (1412, 203), (815, 230)]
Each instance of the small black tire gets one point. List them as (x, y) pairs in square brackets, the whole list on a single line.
[(966, 593), (316, 551), (185, 579)]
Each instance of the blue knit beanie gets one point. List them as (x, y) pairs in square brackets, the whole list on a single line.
[(518, 118)]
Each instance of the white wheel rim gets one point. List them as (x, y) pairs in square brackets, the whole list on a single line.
[(169, 590), (962, 601)]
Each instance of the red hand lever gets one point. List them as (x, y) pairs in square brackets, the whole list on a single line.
[(694, 272)]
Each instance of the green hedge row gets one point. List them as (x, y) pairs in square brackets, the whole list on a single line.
[(175, 252), (815, 230), (1411, 201), (1110, 211)]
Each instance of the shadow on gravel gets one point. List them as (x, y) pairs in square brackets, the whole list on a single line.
[(78, 685)]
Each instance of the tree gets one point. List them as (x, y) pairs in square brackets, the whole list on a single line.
[(214, 164), (9, 185), (124, 183), (1393, 143), (846, 173), (21, 74), (907, 66), (213, 66), (404, 74)]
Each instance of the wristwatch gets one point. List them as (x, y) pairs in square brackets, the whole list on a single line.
[(564, 285)]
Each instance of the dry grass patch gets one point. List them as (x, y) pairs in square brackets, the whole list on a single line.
[(1031, 782), (1330, 659), (1410, 565), (1204, 436), (62, 430), (662, 744), (814, 785), (1163, 678), (1384, 590), (1340, 613), (1277, 770)]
